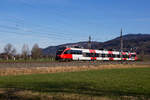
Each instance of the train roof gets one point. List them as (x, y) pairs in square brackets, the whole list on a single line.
[(99, 51)]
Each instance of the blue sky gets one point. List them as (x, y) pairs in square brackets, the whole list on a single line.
[(54, 22)]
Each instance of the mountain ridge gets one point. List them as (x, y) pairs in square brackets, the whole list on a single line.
[(138, 42)]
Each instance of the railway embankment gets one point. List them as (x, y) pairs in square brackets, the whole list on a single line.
[(56, 67)]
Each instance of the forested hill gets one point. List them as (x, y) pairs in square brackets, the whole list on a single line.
[(139, 42)]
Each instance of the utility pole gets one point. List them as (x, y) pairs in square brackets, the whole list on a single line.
[(121, 41), (89, 43)]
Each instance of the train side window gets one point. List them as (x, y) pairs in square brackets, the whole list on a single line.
[(133, 56), (111, 55), (76, 52), (73, 52), (90, 55), (79, 52), (125, 56), (103, 55), (118, 56), (96, 55)]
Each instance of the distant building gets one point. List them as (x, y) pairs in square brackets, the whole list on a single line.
[(6, 56)]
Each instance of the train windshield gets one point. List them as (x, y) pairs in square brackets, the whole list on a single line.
[(60, 50)]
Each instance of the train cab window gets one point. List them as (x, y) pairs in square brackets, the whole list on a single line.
[(67, 52)]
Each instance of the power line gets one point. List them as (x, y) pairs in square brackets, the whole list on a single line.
[(39, 35), (37, 27), (29, 30), (58, 14), (60, 34)]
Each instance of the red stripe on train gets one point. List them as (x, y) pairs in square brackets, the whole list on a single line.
[(93, 51), (111, 58), (110, 52), (123, 53), (66, 56), (124, 58), (136, 58)]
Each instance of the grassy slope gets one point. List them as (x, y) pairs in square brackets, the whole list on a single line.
[(117, 81)]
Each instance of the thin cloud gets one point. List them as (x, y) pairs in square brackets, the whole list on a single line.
[(142, 19), (32, 2)]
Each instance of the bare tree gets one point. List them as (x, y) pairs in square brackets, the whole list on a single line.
[(36, 51), (9, 49), (25, 51)]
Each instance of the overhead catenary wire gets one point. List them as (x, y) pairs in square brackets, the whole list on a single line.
[(28, 4), (37, 36), (61, 34), (18, 27), (45, 31), (42, 36), (48, 33), (32, 31), (43, 41)]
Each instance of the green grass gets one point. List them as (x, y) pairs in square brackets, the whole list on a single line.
[(132, 81)]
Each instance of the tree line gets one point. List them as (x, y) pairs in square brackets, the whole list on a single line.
[(10, 52)]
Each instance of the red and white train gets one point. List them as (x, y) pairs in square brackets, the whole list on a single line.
[(90, 54)]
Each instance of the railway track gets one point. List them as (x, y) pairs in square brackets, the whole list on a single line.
[(65, 64)]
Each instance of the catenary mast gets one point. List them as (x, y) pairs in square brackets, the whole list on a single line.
[(89, 43), (121, 41)]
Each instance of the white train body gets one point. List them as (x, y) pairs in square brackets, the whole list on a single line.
[(90, 54)]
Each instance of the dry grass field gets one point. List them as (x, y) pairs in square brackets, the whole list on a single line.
[(43, 70)]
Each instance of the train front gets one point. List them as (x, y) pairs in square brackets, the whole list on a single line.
[(59, 52)]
